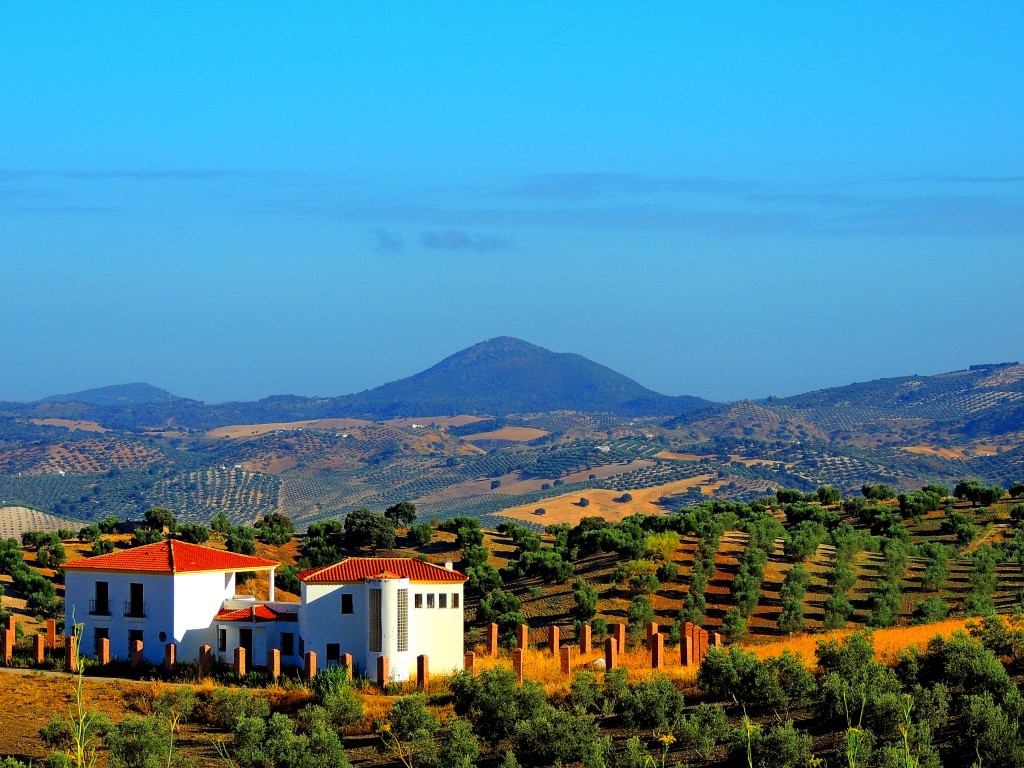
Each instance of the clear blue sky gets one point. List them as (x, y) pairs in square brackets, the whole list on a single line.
[(232, 200)]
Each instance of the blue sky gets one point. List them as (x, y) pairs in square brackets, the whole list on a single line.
[(730, 200)]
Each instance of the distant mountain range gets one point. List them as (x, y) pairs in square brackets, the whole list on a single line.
[(497, 377)]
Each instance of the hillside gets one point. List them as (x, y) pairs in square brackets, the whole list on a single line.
[(117, 395)]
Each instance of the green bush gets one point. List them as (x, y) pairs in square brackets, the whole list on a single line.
[(653, 704)]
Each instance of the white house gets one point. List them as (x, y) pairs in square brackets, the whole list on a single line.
[(168, 592), (384, 606), (183, 593)]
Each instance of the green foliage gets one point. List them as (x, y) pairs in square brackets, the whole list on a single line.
[(401, 514), (322, 543), (493, 702), (285, 578), (275, 529), (794, 587), (51, 555), (772, 685), (803, 539), (978, 494), (936, 569), (585, 595), (703, 730), (160, 518), (961, 525), (877, 491), (639, 614), (143, 536), (102, 547), (364, 528), (194, 533), (421, 534), (241, 540), (929, 611), (828, 495), (653, 704), (140, 742), (782, 746)]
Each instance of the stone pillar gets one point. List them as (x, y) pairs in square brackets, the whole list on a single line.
[(205, 660), (51, 633), (423, 673), (11, 625), (6, 647), (345, 662), (611, 653), (566, 659), (103, 651), (650, 631), (469, 662), (240, 661), (170, 657), (687, 629), (585, 639), (553, 639), (70, 654), (492, 639), (383, 671), (522, 636), (274, 663), (702, 644), (517, 664), (135, 650), (716, 640), (686, 651), (657, 646), (38, 649), (619, 635), (309, 665)]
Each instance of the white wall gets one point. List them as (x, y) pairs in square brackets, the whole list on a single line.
[(158, 596), (197, 598), (437, 632)]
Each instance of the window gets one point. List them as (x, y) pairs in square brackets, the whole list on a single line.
[(136, 606), (430, 600), (287, 644), (333, 652), (418, 600), (100, 605), (162, 636), (403, 620), (455, 599), (99, 633), (346, 603), (222, 639), (442, 600), (375, 628)]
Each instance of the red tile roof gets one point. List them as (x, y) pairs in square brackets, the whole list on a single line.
[(362, 568), (172, 557), (257, 613)]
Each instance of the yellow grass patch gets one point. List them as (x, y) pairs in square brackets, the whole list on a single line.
[(435, 422), (518, 434), (565, 508), (928, 450), (72, 424), (236, 431)]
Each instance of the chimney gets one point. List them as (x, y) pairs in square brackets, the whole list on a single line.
[(449, 565)]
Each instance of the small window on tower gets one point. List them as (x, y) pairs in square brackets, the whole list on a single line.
[(346, 603), (442, 600), (455, 599), (430, 600), (418, 600)]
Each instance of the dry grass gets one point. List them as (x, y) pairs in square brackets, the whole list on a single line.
[(517, 434), (435, 422), (14, 521), (71, 424), (565, 509), (236, 431)]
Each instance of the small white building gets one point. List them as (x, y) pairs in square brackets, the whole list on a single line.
[(167, 592), (174, 592), (383, 606)]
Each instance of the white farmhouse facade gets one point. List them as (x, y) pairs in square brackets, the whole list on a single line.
[(379, 606), (174, 592)]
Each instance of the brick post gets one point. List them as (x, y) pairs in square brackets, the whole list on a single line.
[(135, 650), (309, 665), (657, 646), (38, 649), (585, 639), (423, 673), (686, 651), (716, 640), (274, 663), (345, 662), (70, 655), (619, 635), (6, 647), (383, 670), (687, 629), (517, 664), (702, 644), (650, 631), (566, 659), (492, 639), (611, 653), (469, 662), (240, 660), (11, 624), (553, 639), (170, 657), (103, 651), (522, 636), (205, 660), (51, 633)]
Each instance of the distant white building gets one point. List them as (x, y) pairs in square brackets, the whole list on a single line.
[(183, 593)]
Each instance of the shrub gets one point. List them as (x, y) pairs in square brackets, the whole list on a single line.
[(931, 610), (654, 704), (782, 746), (421, 534), (703, 730), (194, 533), (585, 595)]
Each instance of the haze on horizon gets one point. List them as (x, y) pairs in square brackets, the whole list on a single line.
[(728, 201)]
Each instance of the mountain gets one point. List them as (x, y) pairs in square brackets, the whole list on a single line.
[(506, 375), (117, 395)]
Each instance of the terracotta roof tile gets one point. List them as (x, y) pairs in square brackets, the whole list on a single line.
[(362, 568), (172, 557), (257, 612)]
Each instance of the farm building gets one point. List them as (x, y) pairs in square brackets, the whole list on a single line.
[(175, 592)]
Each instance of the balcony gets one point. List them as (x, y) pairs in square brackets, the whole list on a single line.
[(135, 610), (99, 608)]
